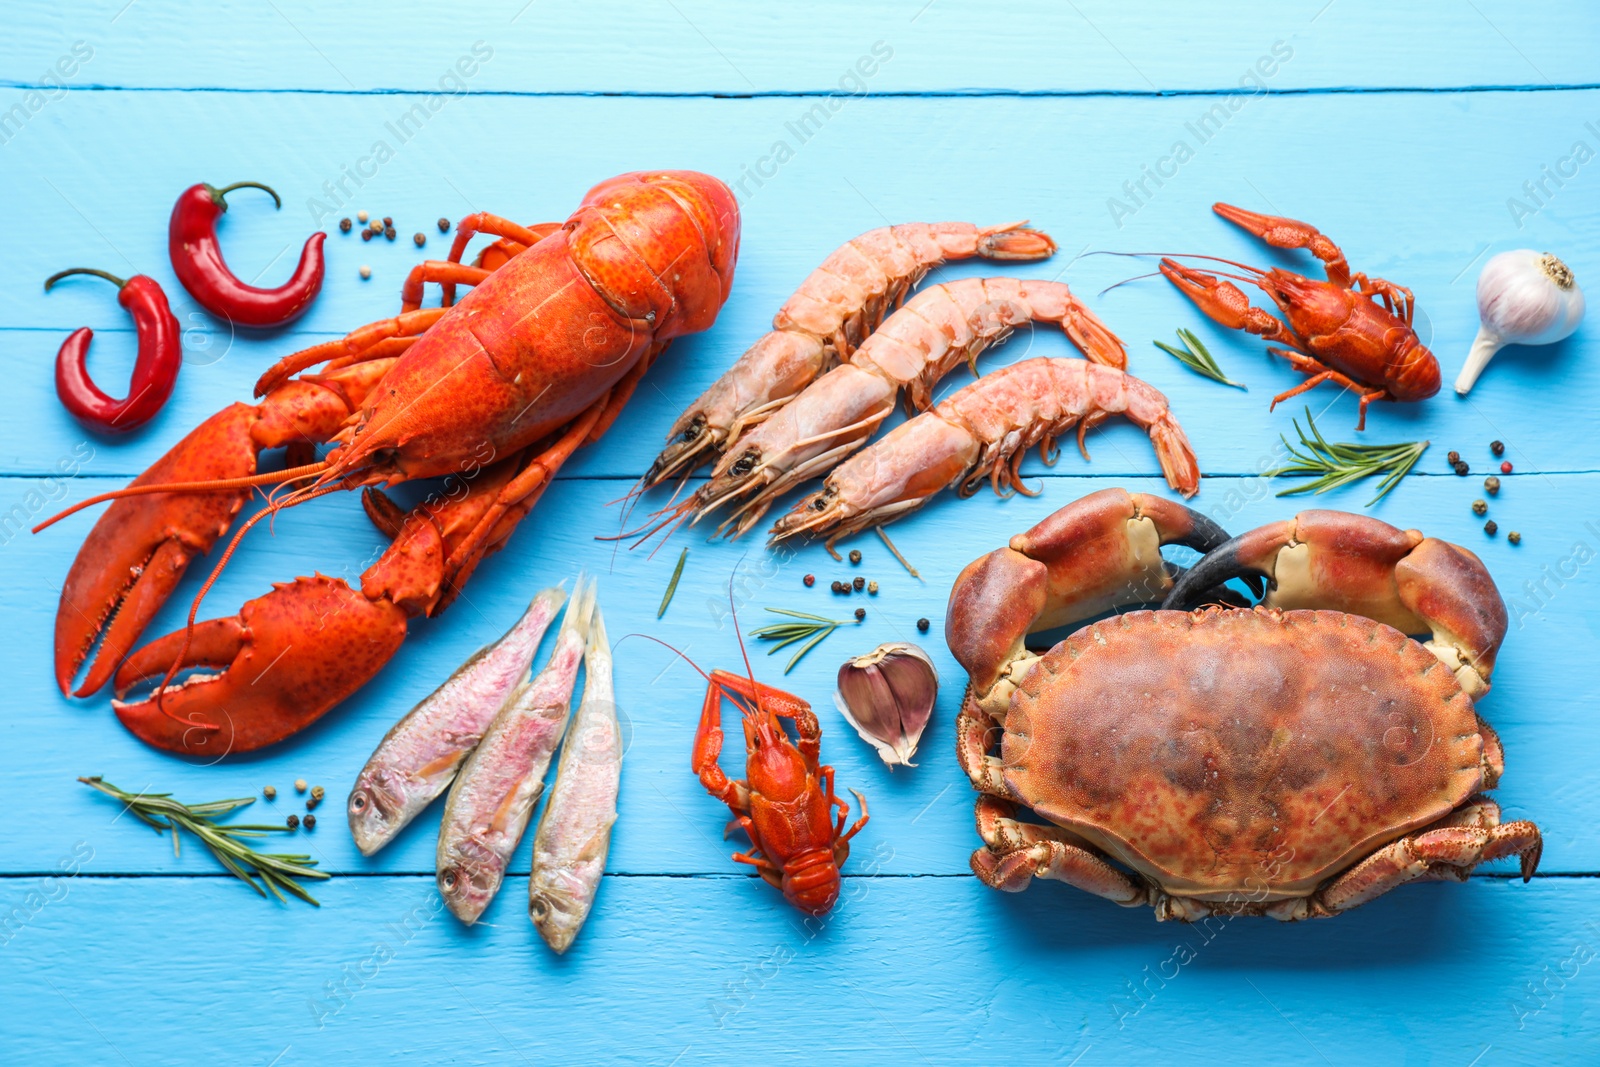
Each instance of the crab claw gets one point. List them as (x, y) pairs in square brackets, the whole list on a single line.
[(138, 550), (286, 658), (1280, 232), (1363, 566), (1096, 554)]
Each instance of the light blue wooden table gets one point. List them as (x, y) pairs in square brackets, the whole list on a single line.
[(1420, 136)]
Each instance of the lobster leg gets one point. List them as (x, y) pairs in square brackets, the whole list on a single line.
[(290, 656), (1280, 232), (437, 270), (356, 346), (496, 226), (138, 550)]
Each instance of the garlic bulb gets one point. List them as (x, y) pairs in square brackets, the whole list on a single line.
[(1524, 298), (888, 696)]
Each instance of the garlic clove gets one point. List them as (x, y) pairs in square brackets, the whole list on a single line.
[(888, 696), (1526, 298)]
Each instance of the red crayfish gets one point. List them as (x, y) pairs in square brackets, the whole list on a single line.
[(498, 389), (1350, 329), (787, 801)]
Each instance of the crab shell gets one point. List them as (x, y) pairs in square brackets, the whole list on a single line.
[(1280, 760), (1232, 777)]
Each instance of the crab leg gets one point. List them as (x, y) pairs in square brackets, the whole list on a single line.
[(1461, 841), (1359, 565), (1095, 555), (1016, 853)]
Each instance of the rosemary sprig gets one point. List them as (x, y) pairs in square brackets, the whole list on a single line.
[(276, 870), (1339, 464), (672, 586), (809, 628), (1193, 355)]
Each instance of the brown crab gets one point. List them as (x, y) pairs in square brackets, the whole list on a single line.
[(1273, 760)]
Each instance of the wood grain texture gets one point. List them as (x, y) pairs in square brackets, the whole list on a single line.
[(1404, 131), (709, 971), (699, 46)]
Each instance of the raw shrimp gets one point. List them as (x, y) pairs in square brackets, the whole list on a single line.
[(981, 432), (839, 304), (937, 330)]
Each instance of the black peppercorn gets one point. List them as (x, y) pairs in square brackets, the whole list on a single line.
[(1453, 458), (388, 221), (311, 822), (861, 613), (858, 583), (444, 225), (1497, 447), (366, 235), (1462, 469), (1490, 528), (855, 555), (344, 225), (922, 625), (419, 239), (293, 822), (388, 231)]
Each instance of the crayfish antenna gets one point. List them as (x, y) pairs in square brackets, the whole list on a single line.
[(733, 610), (737, 700)]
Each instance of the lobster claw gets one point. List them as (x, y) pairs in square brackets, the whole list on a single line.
[(286, 659), (139, 548)]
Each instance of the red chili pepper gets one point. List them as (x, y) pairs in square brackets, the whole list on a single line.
[(154, 372), (197, 260)]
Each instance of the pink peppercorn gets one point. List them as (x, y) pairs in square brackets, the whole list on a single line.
[(1505, 468)]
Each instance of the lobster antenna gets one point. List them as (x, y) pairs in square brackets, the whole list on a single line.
[(194, 608), (213, 485)]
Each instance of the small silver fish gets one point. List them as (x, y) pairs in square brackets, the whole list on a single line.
[(493, 796), (569, 848), (421, 753)]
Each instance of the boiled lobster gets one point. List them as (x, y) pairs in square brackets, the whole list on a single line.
[(1351, 329), (498, 389), (786, 804)]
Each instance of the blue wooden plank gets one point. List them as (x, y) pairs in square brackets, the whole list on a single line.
[(711, 971), (698, 46), (1426, 225), (668, 824), (685, 959)]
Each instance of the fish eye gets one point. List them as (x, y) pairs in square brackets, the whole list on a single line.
[(359, 801), (449, 879), (818, 504)]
